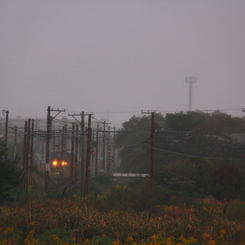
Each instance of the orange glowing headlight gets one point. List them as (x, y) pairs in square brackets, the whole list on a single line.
[(55, 163), (64, 163)]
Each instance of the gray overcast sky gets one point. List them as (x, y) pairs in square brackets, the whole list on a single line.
[(118, 57)]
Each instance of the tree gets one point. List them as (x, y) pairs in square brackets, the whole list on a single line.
[(130, 138), (135, 145), (10, 174), (202, 135), (179, 136), (188, 179), (183, 121)]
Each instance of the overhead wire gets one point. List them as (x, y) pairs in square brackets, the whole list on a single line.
[(192, 156)]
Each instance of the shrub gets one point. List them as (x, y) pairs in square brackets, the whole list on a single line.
[(58, 235), (235, 210)]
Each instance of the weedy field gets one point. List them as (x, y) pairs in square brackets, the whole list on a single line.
[(83, 221)]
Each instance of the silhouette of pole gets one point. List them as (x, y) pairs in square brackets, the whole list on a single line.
[(47, 150), (72, 157), (96, 151), (82, 154), (88, 156), (152, 143), (190, 80), (48, 135), (6, 128), (152, 146)]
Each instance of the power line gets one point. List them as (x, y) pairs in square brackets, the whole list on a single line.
[(192, 156)]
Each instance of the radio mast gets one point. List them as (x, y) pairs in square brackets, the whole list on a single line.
[(190, 80)]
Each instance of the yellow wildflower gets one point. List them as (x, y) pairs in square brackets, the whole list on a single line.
[(4, 242), (8, 230), (27, 241), (116, 243), (168, 240), (86, 242), (182, 238), (192, 240), (129, 240), (205, 236)]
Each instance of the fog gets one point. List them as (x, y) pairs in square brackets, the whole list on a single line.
[(116, 58)]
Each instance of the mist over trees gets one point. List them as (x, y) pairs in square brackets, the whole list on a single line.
[(179, 136), (196, 154)]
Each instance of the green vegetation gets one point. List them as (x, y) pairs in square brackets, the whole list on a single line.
[(10, 174), (188, 180), (82, 222), (185, 136), (197, 197)]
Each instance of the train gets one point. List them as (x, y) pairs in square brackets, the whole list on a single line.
[(60, 160)]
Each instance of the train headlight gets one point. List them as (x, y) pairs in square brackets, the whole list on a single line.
[(64, 163), (55, 163)]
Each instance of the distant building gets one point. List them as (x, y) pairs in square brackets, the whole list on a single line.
[(128, 176)]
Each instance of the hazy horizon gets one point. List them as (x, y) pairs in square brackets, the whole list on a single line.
[(116, 58)]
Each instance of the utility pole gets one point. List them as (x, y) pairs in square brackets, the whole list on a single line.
[(96, 151), (113, 151), (108, 151), (82, 154), (15, 141), (103, 147), (47, 149), (88, 156), (6, 129), (72, 158), (76, 157), (31, 154), (49, 122), (152, 143), (82, 147), (64, 141), (63, 155), (24, 154), (28, 152), (108, 137), (190, 80)]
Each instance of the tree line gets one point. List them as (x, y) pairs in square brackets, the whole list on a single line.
[(196, 154)]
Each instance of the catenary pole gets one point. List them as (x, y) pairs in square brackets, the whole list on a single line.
[(88, 156), (48, 134), (76, 157), (47, 150), (6, 130), (96, 151), (152, 143), (24, 154), (72, 158), (31, 151)]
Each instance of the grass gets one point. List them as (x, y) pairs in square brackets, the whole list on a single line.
[(80, 222)]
